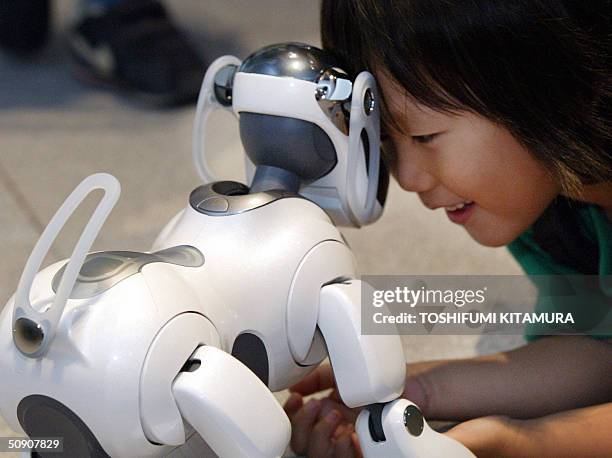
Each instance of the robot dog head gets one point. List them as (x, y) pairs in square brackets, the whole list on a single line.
[(305, 126)]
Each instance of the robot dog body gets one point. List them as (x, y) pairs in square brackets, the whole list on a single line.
[(132, 322), (244, 292)]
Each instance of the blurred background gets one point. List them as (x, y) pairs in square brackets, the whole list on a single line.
[(55, 130)]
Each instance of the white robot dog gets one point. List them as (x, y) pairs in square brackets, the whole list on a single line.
[(244, 292)]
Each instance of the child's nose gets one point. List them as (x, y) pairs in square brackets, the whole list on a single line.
[(412, 177)]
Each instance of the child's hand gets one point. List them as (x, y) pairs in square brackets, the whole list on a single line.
[(325, 427), (550, 375), (321, 427)]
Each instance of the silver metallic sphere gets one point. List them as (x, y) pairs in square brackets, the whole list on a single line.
[(295, 60)]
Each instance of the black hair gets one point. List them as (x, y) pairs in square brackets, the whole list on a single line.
[(540, 68)]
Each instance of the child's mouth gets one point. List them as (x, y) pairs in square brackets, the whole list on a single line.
[(460, 213)]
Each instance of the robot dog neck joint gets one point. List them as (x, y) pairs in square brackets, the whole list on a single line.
[(224, 198)]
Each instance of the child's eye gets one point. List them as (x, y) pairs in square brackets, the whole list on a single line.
[(424, 138)]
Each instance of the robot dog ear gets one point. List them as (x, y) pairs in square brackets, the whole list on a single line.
[(215, 94), (355, 190), (364, 149)]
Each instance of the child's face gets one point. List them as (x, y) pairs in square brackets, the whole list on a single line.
[(454, 159)]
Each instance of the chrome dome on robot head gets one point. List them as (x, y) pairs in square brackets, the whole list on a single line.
[(295, 60)]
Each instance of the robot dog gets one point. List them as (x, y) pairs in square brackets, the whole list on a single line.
[(243, 293)]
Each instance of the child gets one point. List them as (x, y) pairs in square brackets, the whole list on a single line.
[(499, 112)]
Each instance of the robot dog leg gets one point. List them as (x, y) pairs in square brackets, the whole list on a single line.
[(225, 402), (370, 370)]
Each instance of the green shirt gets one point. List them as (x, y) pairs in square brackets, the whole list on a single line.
[(591, 305)]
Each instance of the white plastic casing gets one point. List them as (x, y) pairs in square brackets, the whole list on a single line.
[(252, 260), (173, 345), (315, 269), (400, 443), (378, 359), (233, 410)]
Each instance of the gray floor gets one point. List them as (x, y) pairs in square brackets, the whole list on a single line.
[(54, 132)]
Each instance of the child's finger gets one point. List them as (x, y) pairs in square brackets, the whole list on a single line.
[(293, 404), (320, 379), (328, 404), (344, 446), (343, 429), (320, 443), (302, 424), (356, 444)]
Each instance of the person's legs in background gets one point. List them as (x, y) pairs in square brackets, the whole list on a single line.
[(102, 3), (132, 45), (135, 45), (24, 25)]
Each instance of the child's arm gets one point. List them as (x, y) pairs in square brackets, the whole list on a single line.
[(582, 432), (549, 375)]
